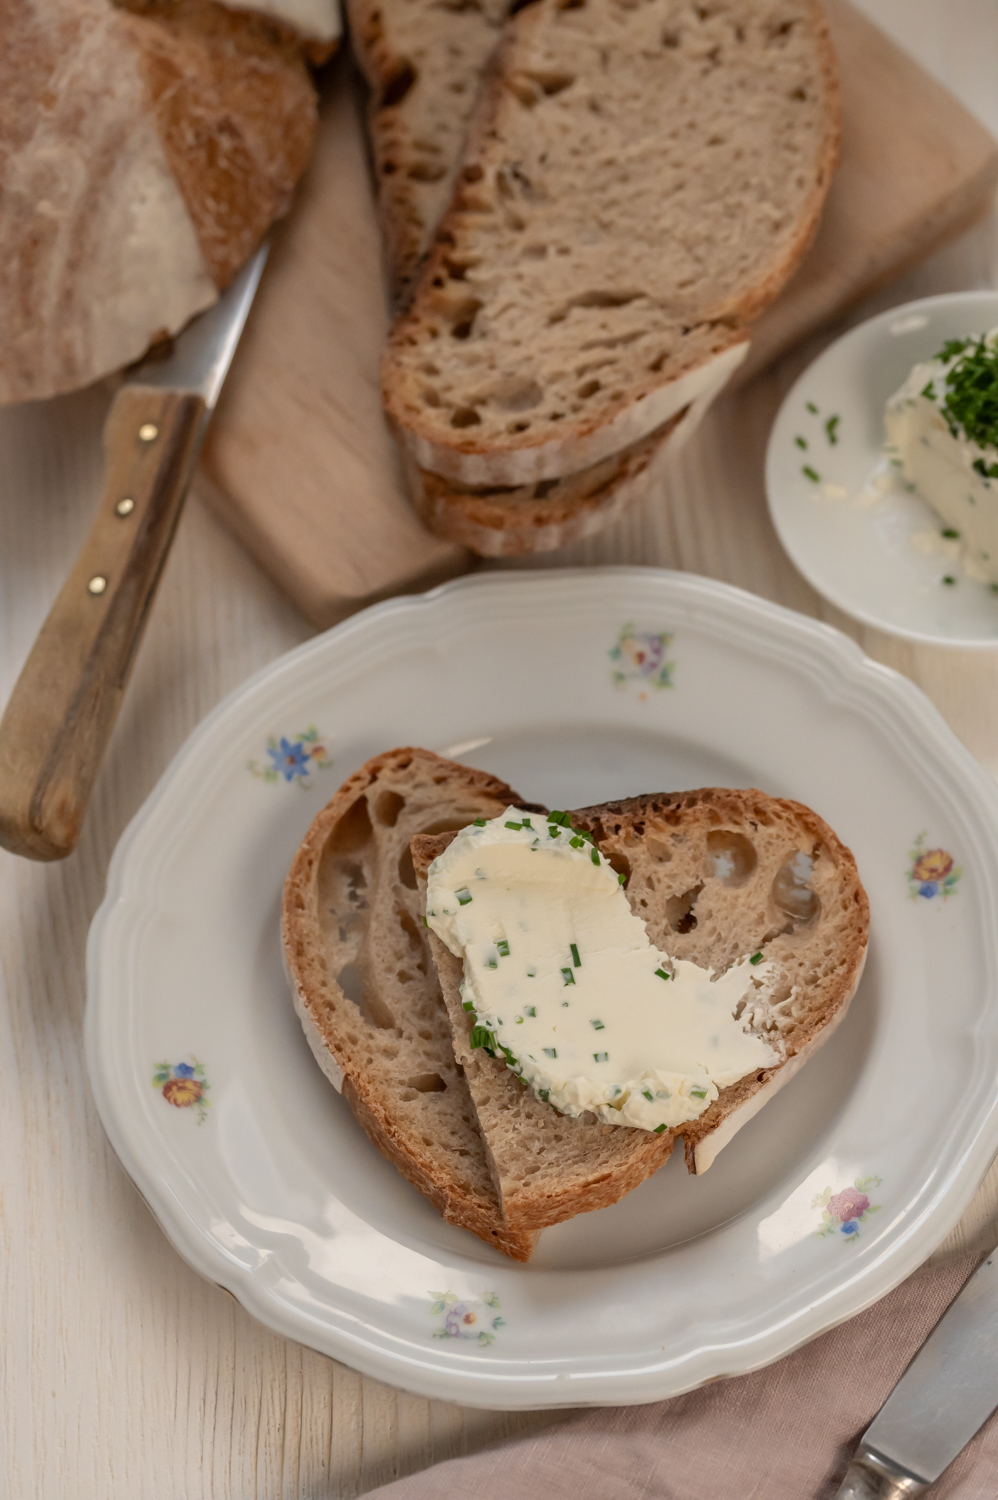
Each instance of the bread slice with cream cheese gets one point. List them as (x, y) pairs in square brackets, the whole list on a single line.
[(365, 988), (716, 876)]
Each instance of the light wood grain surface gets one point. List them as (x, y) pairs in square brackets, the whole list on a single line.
[(123, 1374)]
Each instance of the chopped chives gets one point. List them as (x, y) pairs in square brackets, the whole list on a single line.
[(949, 531), (530, 1010), (601, 1057), (519, 1021), (698, 1093), (830, 427), (577, 961), (621, 878), (544, 1095), (478, 823), (550, 1051), (658, 1129), (811, 474), (558, 817), (597, 1025), (948, 578), (568, 976), (928, 391), (425, 922), (577, 841), (801, 442), (756, 958), (647, 1094), (467, 1005), (517, 826), (463, 896), (811, 408), (663, 974), (594, 856), (480, 1036), (503, 947), (491, 963), (527, 824)]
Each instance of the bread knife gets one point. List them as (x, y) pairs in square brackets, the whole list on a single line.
[(60, 715), (947, 1392)]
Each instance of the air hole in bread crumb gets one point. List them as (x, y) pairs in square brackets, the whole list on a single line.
[(426, 1083), (516, 394), (388, 807), (618, 862), (671, 39), (792, 891), (679, 909), (734, 856), (544, 487), (407, 871), (426, 171), (587, 389), (517, 426), (400, 81), (551, 80), (351, 982), (465, 416)]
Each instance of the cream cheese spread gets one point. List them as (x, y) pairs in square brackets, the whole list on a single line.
[(312, 18), (563, 981), (954, 469)]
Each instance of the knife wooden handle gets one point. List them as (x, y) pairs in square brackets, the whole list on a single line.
[(65, 702)]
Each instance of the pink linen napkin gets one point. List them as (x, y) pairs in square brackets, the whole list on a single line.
[(784, 1433)]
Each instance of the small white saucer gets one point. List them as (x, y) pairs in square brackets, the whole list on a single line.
[(875, 551)]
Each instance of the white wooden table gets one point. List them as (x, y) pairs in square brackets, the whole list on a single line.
[(123, 1374)]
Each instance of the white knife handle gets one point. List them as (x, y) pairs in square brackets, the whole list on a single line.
[(65, 702), (870, 1476)]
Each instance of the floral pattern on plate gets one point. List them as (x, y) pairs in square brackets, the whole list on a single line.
[(295, 759), (640, 656), (931, 872), (847, 1209), (183, 1085), (467, 1318)]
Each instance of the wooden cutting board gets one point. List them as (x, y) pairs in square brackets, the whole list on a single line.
[(299, 462)]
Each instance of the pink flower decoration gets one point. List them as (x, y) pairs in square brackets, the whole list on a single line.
[(849, 1204)]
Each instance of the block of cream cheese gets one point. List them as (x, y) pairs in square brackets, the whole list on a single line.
[(564, 982), (942, 429)]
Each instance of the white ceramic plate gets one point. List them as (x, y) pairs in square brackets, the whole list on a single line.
[(575, 686), (877, 555)]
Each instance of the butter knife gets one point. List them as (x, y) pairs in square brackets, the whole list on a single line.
[(60, 715), (947, 1392)]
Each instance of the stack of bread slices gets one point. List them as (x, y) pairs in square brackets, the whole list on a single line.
[(584, 208), (714, 874)]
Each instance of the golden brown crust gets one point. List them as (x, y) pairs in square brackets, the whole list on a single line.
[(236, 111)]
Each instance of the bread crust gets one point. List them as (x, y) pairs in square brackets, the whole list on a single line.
[(369, 1051), (468, 442)]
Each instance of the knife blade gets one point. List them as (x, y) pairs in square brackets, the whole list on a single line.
[(65, 702), (946, 1394)]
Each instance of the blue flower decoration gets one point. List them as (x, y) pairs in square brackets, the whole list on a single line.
[(928, 888), (183, 1070), (851, 1226), (289, 759)]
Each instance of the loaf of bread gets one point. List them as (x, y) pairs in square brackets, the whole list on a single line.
[(366, 990), (144, 152), (715, 875), (638, 183)]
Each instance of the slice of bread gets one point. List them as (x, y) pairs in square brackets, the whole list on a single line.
[(365, 988), (712, 873), (509, 521), (423, 61), (639, 182)]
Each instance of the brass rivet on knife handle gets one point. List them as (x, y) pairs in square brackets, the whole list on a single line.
[(64, 704)]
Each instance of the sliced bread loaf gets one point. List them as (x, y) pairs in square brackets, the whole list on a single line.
[(365, 989), (639, 182), (715, 875), (423, 61)]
